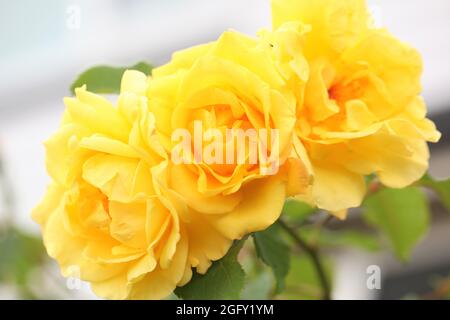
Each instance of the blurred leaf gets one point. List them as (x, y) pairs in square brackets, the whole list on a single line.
[(302, 282), (20, 253), (105, 79), (258, 287), (342, 238), (442, 188), (357, 239), (402, 214), (297, 211), (224, 279), (271, 248)]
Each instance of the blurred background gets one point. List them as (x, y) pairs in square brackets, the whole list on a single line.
[(44, 45)]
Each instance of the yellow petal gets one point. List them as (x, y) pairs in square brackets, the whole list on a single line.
[(358, 115), (120, 179), (143, 266), (68, 251), (107, 145), (128, 223), (183, 59), (134, 82), (184, 182), (64, 158), (206, 244), (243, 51), (401, 171), (336, 24), (398, 161), (298, 177), (115, 288), (336, 188), (160, 283), (48, 204), (264, 199), (88, 108), (395, 64), (316, 92)]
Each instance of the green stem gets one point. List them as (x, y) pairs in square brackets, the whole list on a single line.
[(318, 229), (313, 253)]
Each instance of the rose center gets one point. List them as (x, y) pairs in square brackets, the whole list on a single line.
[(342, 92)]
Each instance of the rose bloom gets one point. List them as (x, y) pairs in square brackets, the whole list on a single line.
[(108, 216), (230, 83), (120, 215), (358, 106)]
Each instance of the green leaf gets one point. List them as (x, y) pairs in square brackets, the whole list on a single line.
[(353, 238), (442, 188), (295, 210), (224, 279), (274, 252), (20, 253), (258, 287), (342, 238), (302, 282), (402, 214), (106, 79)]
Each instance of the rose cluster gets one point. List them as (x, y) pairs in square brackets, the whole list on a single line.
[(341, 97)]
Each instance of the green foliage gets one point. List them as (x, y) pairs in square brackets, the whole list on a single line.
[(20, 254), (302, 282), (352, 238), (341, 238), (442, 188), (105, 79), (274, 252), (258, 287), (294, 210), (403, 216), (224, 279)]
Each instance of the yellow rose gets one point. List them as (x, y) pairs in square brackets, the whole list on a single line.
[(229, 84), (123, 216), (108, 216), (358, 106)]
